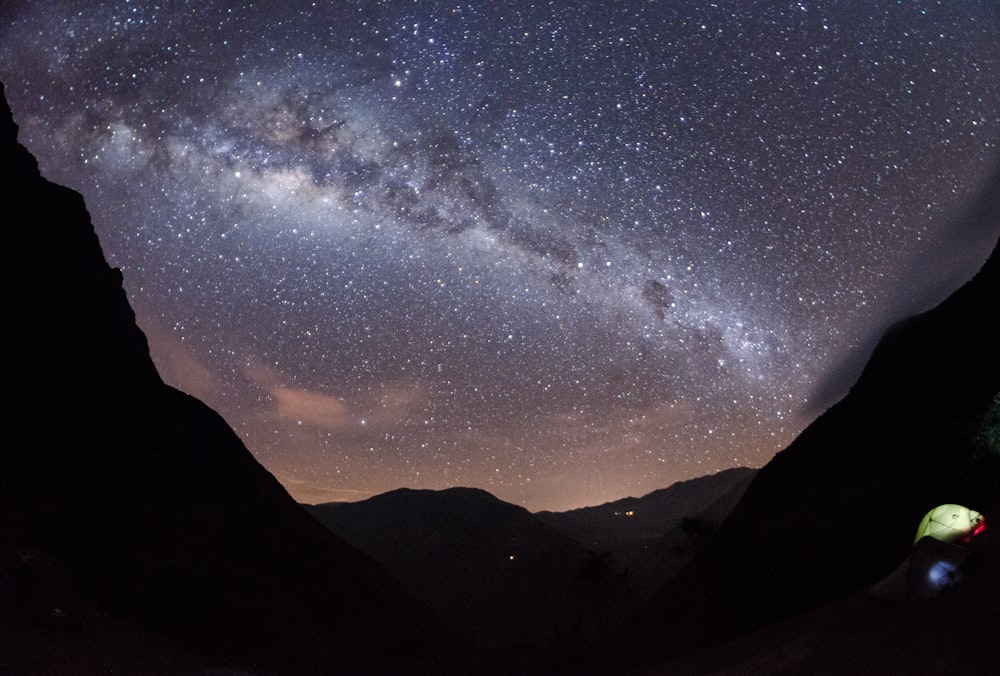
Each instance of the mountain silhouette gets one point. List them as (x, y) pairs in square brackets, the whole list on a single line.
[(654, 536), (837, 509), (130, 510), (515, 584)]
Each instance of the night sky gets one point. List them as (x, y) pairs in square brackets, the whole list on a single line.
[(563, 251)]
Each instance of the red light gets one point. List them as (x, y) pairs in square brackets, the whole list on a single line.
[(980, 527)]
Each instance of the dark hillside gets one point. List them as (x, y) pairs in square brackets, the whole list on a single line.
[(836, 510), (511, 581), (954, 633), (654, 536), (139, 499)]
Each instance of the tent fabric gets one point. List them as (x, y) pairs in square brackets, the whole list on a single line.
[(931, 568), (950, 523)]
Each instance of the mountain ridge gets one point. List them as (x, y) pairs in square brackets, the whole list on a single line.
[(519, 581), (513, 582), (651, 513)]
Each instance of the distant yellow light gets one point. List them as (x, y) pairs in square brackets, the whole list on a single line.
[(630, 513), (510, 558)]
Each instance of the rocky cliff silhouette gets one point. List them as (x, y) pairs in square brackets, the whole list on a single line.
[(138, 499), (837, 509)]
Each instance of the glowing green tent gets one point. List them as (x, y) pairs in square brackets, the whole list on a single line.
[(938, 559), (951, 523)]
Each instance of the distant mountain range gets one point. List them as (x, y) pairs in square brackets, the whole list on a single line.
[(507, 578), (650, 516), (654, 536), (516, 580)]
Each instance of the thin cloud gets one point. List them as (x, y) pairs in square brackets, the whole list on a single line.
[(313, 408)]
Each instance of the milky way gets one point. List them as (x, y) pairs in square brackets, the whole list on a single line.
[(563, 251)]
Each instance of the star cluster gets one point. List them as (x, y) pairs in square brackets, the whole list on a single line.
[(562, 251)]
